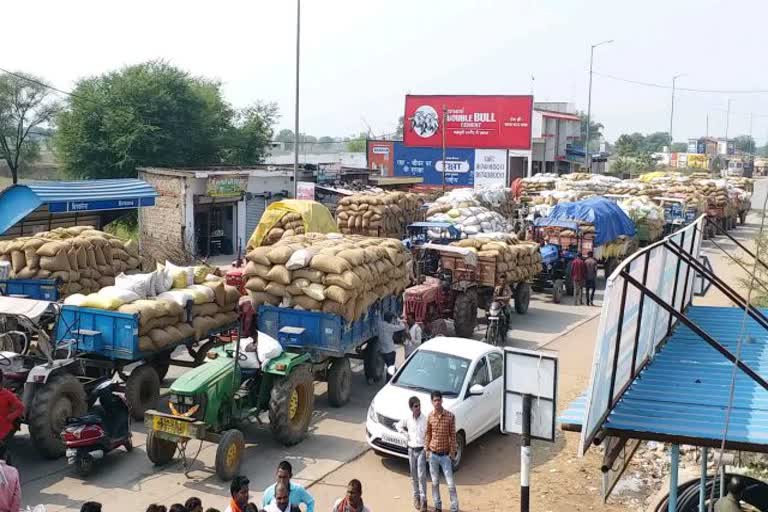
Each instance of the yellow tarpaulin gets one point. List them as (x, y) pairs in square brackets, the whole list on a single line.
[(316, 217)]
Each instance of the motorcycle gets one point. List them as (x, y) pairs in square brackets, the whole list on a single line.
[(497, 323), (104, 428)]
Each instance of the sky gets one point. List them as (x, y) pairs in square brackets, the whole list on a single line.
[(359, 58)]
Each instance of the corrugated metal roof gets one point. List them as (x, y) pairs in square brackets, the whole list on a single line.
[(18, 201), (683, 392)]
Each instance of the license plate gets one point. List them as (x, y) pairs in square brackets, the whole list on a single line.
[(71, 453), (395, 440), (171, 426)]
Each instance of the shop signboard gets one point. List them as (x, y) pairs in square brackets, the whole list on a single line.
[(480, 122), (226, 186), (698, 161), (693, 145), (427, 163), (305, 190), (490, 168), (100, 205), (380, 155)]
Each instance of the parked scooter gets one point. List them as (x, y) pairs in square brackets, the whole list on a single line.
[(105, 427)]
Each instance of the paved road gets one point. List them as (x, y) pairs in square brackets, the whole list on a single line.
[(337, 437)]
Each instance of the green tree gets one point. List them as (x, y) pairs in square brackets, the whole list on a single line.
[(400, 128), (595, 132), (679, 147), (25, 104), (249, 136), (325, 139), (629, 144), (356, 144), (655, 142), (744, 143), (147, 114), (285, 135)]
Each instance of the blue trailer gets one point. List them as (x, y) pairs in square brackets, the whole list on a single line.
[(331, 341), (37, 289), (106, 343)]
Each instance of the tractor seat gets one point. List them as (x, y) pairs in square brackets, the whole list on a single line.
[(88, 419)]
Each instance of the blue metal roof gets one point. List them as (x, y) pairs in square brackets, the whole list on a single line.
[(683, 392), (73, 196)]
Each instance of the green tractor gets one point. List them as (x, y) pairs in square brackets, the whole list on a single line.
[(210, 402)]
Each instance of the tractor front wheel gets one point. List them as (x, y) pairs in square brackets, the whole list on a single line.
[(160, 451), (142, 390), (522, 298), (291, 404), (465, 314), (339, 381), (229, 454)]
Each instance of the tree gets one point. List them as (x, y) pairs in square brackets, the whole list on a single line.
[(285, 135), (629, 144), (325, 139), (25, 104), (744, 143), (356, 144), (153, 114), (400, 128), (655, 142), (595, 132), (250, 134), (679, 147)]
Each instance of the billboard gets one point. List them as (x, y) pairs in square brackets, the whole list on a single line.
[(380, 156), (305, 190), (427, 163), (698, 161), (490, 167), (500, 122)]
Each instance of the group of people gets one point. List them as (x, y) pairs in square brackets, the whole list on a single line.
[(584, 276), (389, 327)]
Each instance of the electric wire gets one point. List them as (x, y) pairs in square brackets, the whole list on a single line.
[(685, 89)]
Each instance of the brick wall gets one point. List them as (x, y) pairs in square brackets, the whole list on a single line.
[(162, 224)]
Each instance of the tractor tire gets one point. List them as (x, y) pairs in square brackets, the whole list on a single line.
[(61, 397), (465, 314), (522, 298), (161, 365), (160, 451), (229, 454), (142, 390), (291, 404), (557, 291), (373, 363), (339, 382)]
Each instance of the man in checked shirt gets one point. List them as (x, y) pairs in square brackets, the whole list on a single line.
[(440, 444)]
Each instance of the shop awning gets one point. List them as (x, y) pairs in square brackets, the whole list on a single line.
[(18, 201)]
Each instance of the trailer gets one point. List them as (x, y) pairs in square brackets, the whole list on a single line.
[(331, 341), (36, 289)]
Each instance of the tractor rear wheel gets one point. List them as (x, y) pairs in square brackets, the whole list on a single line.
[(373, 363), (142, 390), (465, 314), (229, 454), (291, 404), (557, 291), (522, 298), (339, 381), (63, 396), (161, 365), (160, 451)]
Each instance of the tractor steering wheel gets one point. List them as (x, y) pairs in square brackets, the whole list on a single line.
[(240, 356), (5, 360)]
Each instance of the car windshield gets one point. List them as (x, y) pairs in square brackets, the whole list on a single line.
[(433, 371)]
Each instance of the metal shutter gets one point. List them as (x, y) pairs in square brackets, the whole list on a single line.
[(254, 209)]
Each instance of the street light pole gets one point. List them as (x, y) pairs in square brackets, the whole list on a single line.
[(296, 120), (672, 111), (587, 153)]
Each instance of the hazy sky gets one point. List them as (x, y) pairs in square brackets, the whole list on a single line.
[(360, 57)]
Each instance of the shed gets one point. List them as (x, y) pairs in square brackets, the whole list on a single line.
[(41, 206)]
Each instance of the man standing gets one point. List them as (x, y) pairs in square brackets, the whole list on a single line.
[(282, 501), (731, 501), (353, 501), (591, 277), (440, 443), (415, 426), (10, 488), (387, 329), (414, 336), (578, 276), (11, 410), (240, 493), (297, 493)]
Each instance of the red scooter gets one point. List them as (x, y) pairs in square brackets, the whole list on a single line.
[(106, 427)]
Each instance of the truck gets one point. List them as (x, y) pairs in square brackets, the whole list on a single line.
[(212, 401)]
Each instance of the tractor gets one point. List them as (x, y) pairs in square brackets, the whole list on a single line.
[(211, 402)]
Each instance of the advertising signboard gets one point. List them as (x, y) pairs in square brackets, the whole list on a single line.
[(698, 161), (481, 122), (427, 163), (226, 186), (305, 190), (490, 167), (380, 156)]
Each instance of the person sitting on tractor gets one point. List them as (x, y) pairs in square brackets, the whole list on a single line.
[(11, 411)]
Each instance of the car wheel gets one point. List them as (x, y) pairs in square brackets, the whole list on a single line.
[(461, 443)]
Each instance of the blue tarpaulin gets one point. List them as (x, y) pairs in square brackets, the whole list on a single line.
[(609, 219)]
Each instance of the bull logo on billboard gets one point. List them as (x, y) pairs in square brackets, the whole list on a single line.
[(424, 122)]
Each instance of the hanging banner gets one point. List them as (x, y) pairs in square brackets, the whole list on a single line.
[(502, 122), (490, 168), (380, 156), (427, 163)]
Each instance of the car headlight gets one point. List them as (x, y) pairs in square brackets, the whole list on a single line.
[(372, 414)]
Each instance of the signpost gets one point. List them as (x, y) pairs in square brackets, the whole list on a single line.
[(528, 405)]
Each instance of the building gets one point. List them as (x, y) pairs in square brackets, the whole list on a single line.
[(556, 130), (207, 212)]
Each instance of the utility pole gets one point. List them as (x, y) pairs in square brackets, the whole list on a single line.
[(445, 163), (706, 131), (296, 123), (727, 121), (672, 112), (587, 153)]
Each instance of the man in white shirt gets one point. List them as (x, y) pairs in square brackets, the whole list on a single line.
[(415, 335), (415, 426), (387, 329)]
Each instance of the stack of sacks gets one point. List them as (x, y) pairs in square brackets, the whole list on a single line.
[(716, 191), (587, 185), (161, 299), (746, 184), (498, 199), (615, 248), (385, 214), (632, 188), (458, 198), (647, 216), (552, 197), (472, 220), (538, 183), (334, 273), (515, 261), (290, 224), (84, 259)]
